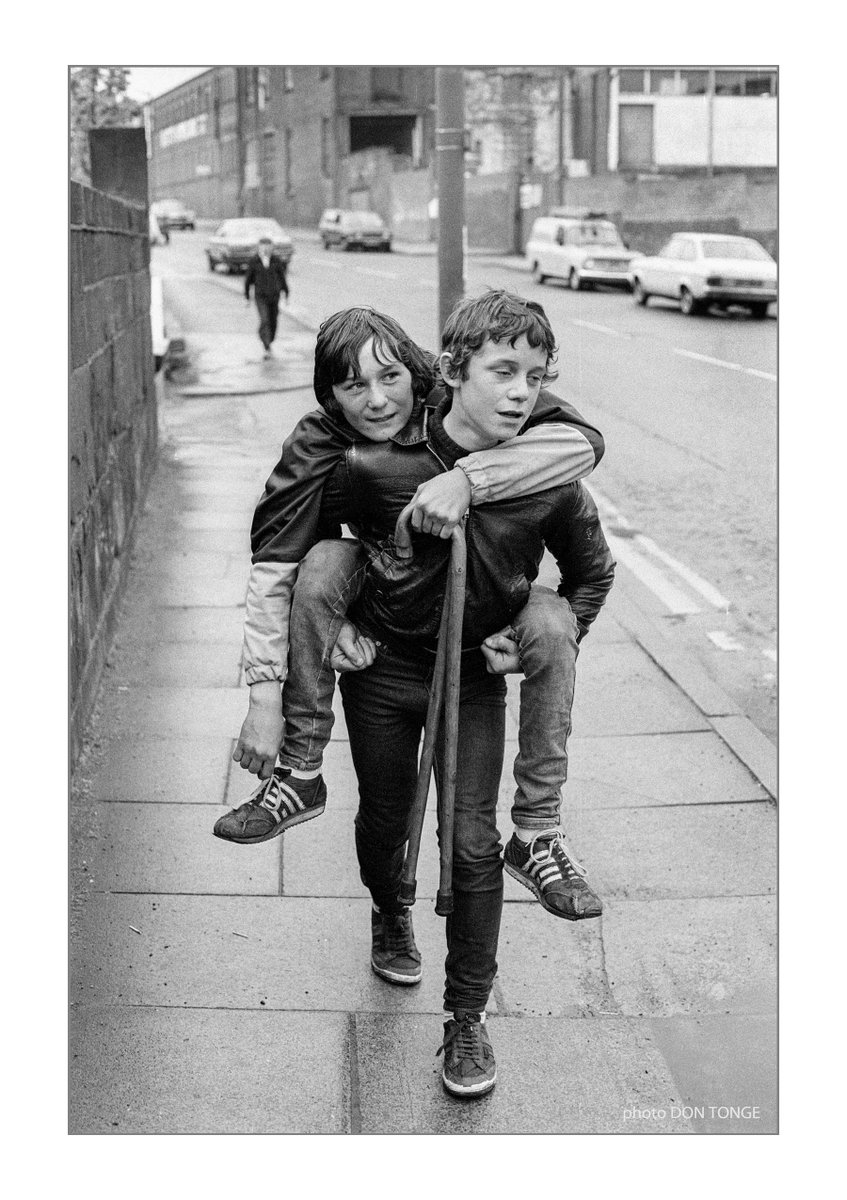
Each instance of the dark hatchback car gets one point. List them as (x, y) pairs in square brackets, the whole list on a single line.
[(234, 243), (354, 230), (173, 214)]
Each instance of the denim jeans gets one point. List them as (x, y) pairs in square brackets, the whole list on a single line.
[(546, 632), (385, 707), (329, 581)]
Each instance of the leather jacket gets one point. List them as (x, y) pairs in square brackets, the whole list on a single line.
[(401, 599)]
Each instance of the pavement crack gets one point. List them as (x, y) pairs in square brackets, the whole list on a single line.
[(354, 1094)]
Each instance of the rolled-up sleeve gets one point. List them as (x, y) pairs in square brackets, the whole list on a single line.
[(265, 649), (542, 457)]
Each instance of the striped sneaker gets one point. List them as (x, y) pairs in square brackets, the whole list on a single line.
[(548, 868), (275, 806)]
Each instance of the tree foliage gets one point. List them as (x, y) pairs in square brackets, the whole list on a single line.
[(97, 98)]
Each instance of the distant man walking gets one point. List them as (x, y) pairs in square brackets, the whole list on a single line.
[(267, 276)]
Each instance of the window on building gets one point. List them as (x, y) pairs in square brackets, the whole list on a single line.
[(263, 87), (760, 83), (745, 83), (663, 83), (288, 79), (693, 83), (631, 82)]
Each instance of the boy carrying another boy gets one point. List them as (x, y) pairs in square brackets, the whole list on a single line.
[(497, 351), (547, 453), (555, 446)]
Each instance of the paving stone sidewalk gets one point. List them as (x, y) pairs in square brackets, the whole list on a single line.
[(217, 988)]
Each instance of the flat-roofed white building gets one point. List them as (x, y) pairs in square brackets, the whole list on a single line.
[(683, 118)]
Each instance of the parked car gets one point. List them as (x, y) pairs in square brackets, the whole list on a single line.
[(584, 251), (172, 214), (235, 242), (704, 269), (367, 230)]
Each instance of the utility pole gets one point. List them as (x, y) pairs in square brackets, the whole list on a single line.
[(239, 135), (450, 161), (710, 124)]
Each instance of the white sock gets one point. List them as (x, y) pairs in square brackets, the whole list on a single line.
[(305, 774), (525, 835)]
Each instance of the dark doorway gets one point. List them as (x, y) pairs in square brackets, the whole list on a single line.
[(394, 132)]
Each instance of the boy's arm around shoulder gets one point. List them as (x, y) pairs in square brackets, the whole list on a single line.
[(574, 536), (556, 446)]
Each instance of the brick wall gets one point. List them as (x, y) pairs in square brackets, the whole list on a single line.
[(112, 423)]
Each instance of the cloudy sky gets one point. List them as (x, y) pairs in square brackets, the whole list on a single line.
[(147, 82)]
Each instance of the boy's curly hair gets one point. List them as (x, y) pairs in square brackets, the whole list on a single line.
[(340, 341), (497, 315)]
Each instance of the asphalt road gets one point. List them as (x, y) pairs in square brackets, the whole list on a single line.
[(687, 406)]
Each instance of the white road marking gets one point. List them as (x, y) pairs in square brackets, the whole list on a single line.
[(600, 328), (700, 585), (378, 274), (637, 551), (723, 641), (720, 362), (675, 600)]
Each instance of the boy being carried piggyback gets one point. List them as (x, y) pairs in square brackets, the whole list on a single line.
[(369, 378)]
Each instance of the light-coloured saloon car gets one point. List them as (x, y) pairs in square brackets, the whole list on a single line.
[(704, 269), (583, 251), (236, 240)]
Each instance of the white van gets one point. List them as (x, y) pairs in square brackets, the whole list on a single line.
[(583, 251)]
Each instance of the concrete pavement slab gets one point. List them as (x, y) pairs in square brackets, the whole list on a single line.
[(160, 770), (604, 772), (554, 1076), (191, 711), (170, 848), (144, 621), (639, 771), (725, 1068), (620, 690), (207, 593), (675, 852), (186, 563), (692, 956), (251, 952), (222, 541), (160, 1070), (549, 967), (207, 664)]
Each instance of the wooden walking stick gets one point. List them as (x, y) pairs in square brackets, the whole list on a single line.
[(444, 694)]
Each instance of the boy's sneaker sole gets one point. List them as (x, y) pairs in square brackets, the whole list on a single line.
[(468, 1089), (395, 977), (516, 873), (287, 823), (275, 806)]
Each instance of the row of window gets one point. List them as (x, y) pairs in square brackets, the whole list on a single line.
[(672, 81)]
